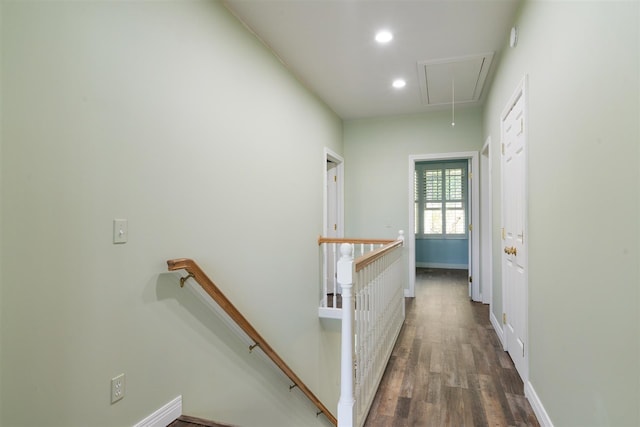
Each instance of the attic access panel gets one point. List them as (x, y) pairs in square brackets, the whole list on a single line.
[(468, 73)]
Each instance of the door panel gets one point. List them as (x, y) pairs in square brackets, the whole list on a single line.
[(514, 253)]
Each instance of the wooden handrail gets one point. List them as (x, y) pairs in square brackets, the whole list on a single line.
[(372, 256), (207, 284), (322, 240)]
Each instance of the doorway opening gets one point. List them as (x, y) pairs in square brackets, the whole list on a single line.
[(441, 214), (428, 211), (333, 195)]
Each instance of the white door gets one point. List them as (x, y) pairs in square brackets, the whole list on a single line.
[(514, 254), (331, 253), (332, 199)]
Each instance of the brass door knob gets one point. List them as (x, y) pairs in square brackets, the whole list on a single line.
[(510, 250)]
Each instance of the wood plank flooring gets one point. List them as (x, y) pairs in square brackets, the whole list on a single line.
[(448, 367)]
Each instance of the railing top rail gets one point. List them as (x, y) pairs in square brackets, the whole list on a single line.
[(322, 240), (373, 256), (214, 292)]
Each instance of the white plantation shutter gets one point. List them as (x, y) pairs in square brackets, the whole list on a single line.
[(455, 200), (440, 195), (432, 197)]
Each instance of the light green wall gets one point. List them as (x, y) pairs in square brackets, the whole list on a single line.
[(1, 198), (581, 59), (376, 153), (172, 115), (377, 164)]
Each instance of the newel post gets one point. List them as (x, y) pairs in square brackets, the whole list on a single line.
[(346, 405), (401, 236)]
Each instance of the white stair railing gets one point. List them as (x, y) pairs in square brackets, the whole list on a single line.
[(330, 292), (372, 316)]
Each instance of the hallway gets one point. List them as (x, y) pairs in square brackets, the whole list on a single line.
[(448, 367)]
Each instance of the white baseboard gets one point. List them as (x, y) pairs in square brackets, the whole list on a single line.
[(442, 265), (536, 404), (497, 327), (163, 416)]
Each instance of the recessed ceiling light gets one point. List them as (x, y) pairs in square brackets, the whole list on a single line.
[(384, 36), (399, 83)]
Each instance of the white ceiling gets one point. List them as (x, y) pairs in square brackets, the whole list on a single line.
[(329, 45)]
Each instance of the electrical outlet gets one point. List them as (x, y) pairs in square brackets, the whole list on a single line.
[(117, 388)]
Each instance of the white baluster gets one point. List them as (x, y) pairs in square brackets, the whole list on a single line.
[(346, 404), (334, 280), (325, 273)]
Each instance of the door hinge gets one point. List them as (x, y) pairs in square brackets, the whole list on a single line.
[(522, 349), (470, 279), (503, 149), (470, 227), (335, 226), (335, 178), (502, 233), (470, 175), (504, 318)]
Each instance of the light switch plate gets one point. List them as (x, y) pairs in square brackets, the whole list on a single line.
[(120, 231)]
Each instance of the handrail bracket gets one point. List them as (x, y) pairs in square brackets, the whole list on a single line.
[(185, 278)]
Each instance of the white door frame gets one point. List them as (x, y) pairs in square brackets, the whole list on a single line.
[(486, 223), (337, 159), (475, 215)]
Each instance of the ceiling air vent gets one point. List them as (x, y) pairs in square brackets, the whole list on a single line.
[(469, 74)]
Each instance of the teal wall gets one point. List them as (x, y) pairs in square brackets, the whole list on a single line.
[(442, 253)]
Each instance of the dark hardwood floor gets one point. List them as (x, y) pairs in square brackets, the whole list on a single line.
[(448, 367)]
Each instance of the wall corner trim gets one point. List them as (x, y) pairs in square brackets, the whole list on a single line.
[(536, 404), (163, 416)]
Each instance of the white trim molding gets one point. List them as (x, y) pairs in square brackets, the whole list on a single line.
[(330, 313), (163, 416), (496, 326), (536, 404), (486, 223)]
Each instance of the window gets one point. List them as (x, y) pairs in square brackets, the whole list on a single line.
[(440, 195)]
